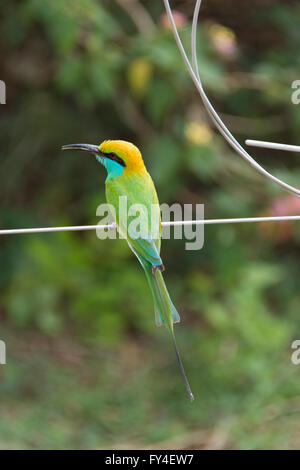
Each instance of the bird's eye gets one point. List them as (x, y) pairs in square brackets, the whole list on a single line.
[(117, 159)]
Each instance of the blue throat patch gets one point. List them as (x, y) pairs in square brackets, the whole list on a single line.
[(114, 169)]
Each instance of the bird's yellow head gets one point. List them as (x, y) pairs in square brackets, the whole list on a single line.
[(118, 156), (128, 153)]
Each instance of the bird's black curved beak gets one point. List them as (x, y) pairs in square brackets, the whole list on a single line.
[(86, 147)]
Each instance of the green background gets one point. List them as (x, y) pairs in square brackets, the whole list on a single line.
[(86, 366)]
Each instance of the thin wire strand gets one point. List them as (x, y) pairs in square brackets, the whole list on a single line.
[(78, 228), (194, 73), (272, 145)]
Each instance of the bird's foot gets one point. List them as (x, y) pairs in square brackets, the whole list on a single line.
[(161, 268)]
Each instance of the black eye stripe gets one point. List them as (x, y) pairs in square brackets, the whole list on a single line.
[(113, 156)]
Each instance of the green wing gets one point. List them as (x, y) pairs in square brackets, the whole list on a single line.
[(138, 190)]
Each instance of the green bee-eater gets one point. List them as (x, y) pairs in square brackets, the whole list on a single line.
[(127, 177)]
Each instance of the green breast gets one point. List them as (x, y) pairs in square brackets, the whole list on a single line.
[(138, 189)]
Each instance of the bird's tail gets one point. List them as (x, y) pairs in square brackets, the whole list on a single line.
[(163, 306), (165, 313)]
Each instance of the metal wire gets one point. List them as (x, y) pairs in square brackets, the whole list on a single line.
[(272, 145), (194, 73), (78, 228)]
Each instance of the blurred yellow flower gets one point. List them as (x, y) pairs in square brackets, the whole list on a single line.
[(198, 133), (139, 75), (224, 39)]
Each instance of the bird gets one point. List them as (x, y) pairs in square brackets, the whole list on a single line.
[(127, 177)]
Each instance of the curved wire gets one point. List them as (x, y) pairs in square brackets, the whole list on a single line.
[(194, 73)]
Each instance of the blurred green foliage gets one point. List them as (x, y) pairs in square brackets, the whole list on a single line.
[(86, 366)]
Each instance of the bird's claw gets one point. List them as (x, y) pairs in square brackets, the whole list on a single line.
[(161, 268)]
